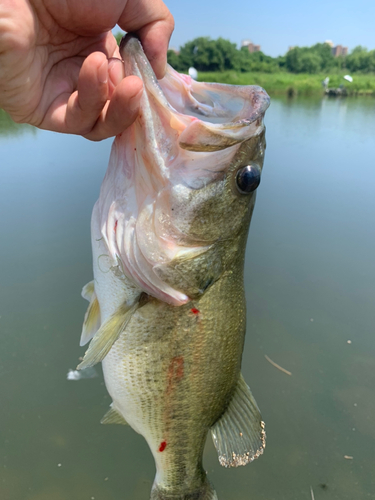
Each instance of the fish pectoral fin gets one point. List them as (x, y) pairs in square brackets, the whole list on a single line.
[(107, 335), (113, 417), (91, 323), (88, 290), (239, 436)]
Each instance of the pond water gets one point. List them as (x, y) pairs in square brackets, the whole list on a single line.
[(310, 278)]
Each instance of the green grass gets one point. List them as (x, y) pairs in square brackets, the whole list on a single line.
[(292, 84)]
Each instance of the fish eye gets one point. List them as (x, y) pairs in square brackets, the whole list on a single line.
[(248, 178)]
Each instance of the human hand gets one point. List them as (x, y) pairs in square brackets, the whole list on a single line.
[(56, 66)]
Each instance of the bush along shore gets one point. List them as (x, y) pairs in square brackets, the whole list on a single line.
[(300, 71), (293, 84)]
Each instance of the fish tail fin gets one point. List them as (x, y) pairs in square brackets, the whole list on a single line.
[(205, 492)]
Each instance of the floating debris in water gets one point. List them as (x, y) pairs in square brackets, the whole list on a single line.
[(276, 365), (312, 493), (348, 457), (85, 373), (348, 341)]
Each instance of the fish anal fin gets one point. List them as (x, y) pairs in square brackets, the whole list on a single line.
[(91, 323), (107, 335), (239, 436), (113, 417)]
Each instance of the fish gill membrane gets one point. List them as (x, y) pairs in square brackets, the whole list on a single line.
[(167, 308)]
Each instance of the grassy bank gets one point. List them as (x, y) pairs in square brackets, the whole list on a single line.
[(293, 84)]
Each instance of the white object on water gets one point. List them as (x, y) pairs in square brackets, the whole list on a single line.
[(85, 373), (193, 73), (348, 78)]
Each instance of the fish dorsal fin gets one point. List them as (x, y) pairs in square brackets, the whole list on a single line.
[(91, 323), (239, 435), (107, 335), (113, 417)]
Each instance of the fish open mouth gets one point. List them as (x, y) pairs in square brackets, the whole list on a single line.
[(183, 139)]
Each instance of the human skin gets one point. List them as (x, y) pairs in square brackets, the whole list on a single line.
[(60, 67)]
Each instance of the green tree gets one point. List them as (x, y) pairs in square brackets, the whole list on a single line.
[(324, 51), (209, 55), (313, 59), (310, 62), (292, 60), (119, 36), (173, 60), (359, 59)]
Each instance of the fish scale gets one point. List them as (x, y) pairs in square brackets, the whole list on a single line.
[(167, 306)]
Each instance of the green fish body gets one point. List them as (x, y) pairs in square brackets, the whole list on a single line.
[(167, 305)]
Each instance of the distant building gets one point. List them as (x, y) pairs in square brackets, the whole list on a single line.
[(250, 46), (339, 50)]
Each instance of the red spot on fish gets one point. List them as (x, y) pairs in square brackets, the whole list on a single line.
[(162, 446), (115, 226), (195, 311), (135, 149)]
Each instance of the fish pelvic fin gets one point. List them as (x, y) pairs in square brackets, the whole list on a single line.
[(88, 290), (107, 335), (113, 417), (205, 492), (91, 322), (239, 436)]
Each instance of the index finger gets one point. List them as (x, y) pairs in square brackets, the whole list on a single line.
[(154, 24)]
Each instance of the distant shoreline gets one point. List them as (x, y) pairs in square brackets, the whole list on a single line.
[(293, 84)]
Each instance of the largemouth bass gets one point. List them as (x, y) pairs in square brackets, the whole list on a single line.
[(167, 307)]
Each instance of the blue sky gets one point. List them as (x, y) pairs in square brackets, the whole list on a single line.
[(275, 25)]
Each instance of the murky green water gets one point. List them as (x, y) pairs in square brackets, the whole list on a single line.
[(310, 277)]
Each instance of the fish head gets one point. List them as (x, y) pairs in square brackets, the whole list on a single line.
[(177, 199)]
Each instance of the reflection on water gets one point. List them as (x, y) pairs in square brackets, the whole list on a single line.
[(310, 277)]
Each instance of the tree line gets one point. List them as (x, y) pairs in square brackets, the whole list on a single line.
[(205, 54)]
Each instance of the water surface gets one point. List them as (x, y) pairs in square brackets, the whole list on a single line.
[(310, 278)]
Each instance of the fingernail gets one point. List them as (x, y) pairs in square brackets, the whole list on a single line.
[(164, 70), (115, 71), (103, 72), (160, 68), (135, 100)]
